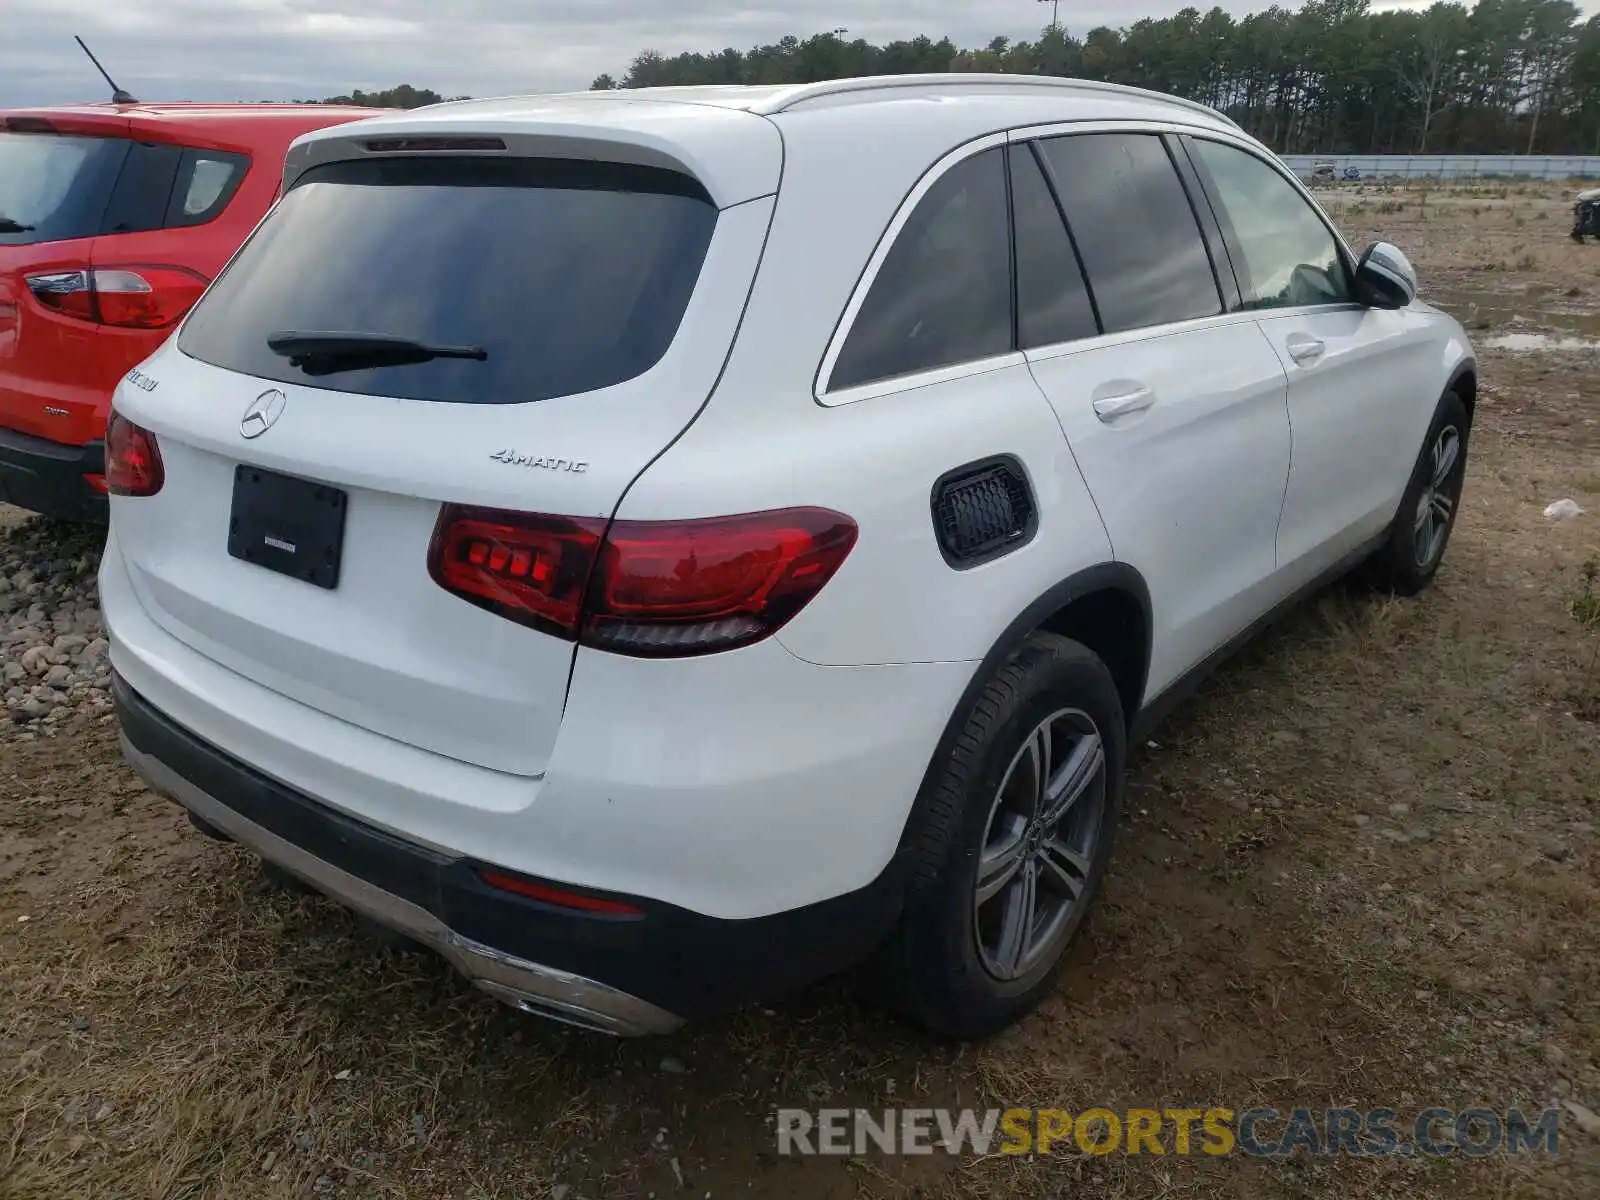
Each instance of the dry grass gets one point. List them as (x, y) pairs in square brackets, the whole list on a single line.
[(1360, 869)]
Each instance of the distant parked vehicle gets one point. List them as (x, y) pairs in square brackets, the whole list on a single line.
[(1586, 215), (1324, 172), (113, 219)]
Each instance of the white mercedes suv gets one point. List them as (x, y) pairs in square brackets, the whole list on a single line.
[(659, 548)]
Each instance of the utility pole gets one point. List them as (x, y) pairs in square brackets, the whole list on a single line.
[(1055, 13)]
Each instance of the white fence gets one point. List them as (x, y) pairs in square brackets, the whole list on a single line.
[(1444, 166)]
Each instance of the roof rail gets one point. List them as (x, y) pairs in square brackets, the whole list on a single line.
[(804, 93)]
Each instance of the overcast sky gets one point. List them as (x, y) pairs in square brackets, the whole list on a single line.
[(299, 49)]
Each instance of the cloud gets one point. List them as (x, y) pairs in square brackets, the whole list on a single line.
[(300, 49)]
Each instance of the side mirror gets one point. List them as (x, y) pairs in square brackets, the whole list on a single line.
[(1385, 277)]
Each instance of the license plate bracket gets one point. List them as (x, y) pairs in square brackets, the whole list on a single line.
[(292, 526)]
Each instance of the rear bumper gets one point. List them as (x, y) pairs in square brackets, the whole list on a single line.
[(620, 975), (48, 477), (738, 786)]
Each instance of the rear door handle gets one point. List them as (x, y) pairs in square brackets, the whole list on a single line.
[(1305, 349), (1120, 399)]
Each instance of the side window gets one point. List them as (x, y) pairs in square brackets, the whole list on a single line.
[(162, 186), (139, 199), (1053, 302), (943, 293), (1289, 254), (1132, 221), (206, 182)]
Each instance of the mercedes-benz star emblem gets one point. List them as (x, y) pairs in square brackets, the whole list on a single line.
[(262, 414)]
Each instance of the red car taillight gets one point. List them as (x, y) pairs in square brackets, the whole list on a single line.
[(128, 297), (65, 292), (645, 588), (133, 460)]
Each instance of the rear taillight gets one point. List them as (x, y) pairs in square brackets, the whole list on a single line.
[(66, 292), (146, 298), (669, 588), (128, 297), (133, 460), (645, 588), (531, 569)]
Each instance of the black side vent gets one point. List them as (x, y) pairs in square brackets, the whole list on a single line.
[(982, 511)]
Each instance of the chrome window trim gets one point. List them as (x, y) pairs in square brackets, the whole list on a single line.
[(1173, 328), (921, 379)]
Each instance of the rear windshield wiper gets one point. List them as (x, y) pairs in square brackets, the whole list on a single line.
[(328, 353), (7, 225)]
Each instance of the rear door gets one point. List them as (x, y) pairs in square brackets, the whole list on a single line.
[(1356, 375), (1176, 411), (600, 301), (54, 191)]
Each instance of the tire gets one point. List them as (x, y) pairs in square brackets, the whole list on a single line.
[(1410, 557), (950, 965)]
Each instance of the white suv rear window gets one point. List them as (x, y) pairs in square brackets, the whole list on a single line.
[(570, 276)]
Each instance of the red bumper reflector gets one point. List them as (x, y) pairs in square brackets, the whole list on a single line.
[(558, 897)]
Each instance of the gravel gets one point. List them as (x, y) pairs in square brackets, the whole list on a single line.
[(52, 647)]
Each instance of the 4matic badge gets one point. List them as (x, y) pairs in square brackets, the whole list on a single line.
[(512, 458)]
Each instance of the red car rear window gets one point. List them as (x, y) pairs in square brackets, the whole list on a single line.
[(55, 186)]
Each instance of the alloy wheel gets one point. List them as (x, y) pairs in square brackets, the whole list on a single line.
[(1039, 845), (1437, 507)]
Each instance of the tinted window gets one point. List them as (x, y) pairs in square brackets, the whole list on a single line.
[(54, 187), (1289, 254), (139, 201), (206, 182), (572, 276), (1052, 301), (1131, 217), (943, 293)]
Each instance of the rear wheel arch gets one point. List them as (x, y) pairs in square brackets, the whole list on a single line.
[(1113, 621), (1106, 608)]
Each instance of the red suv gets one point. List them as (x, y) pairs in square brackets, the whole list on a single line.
[(113, 219)]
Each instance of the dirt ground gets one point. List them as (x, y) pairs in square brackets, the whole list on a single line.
[(1362, 868)]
